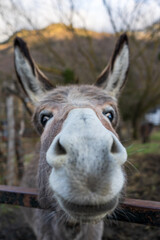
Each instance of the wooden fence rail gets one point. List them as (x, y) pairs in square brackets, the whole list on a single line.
[(131, 210)]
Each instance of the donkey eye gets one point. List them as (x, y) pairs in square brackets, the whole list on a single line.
[(109, 115), (44, 117)]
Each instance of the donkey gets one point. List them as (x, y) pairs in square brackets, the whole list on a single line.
[(79, 172)]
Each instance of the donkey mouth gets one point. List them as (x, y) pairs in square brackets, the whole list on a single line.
[(88, 212)]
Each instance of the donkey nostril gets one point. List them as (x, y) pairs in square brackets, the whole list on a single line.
[(118, 152), (114, 148), (59, 149)]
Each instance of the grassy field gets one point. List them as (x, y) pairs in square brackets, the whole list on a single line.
[(143, 169), (137, 149)]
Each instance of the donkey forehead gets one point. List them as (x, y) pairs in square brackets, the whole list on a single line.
[(78, 95)]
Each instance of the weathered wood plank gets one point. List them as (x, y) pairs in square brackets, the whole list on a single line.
[(131, 210)]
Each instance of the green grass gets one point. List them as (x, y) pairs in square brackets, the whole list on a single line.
[(7, 208), (139, 149), (155, 137), (28, 157)]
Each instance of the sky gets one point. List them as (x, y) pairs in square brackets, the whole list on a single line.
[(87, 13)]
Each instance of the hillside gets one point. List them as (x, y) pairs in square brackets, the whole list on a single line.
[(58, 47)]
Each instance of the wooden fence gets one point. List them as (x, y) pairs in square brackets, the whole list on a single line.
[(131, 210)]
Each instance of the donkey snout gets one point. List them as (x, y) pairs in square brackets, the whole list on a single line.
[(86, 158), (87, 144)]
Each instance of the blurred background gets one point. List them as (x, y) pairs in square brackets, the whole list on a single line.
[(72, 41)]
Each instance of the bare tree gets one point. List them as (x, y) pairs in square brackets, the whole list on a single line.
[(11, 152), (143, 91)]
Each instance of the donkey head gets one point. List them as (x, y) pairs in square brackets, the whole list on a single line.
[(81, 157)]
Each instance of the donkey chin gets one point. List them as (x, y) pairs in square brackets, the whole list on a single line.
[(87, 213), (88, 206)]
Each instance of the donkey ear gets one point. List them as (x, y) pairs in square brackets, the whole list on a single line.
[(113, 77), (32, 80)]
